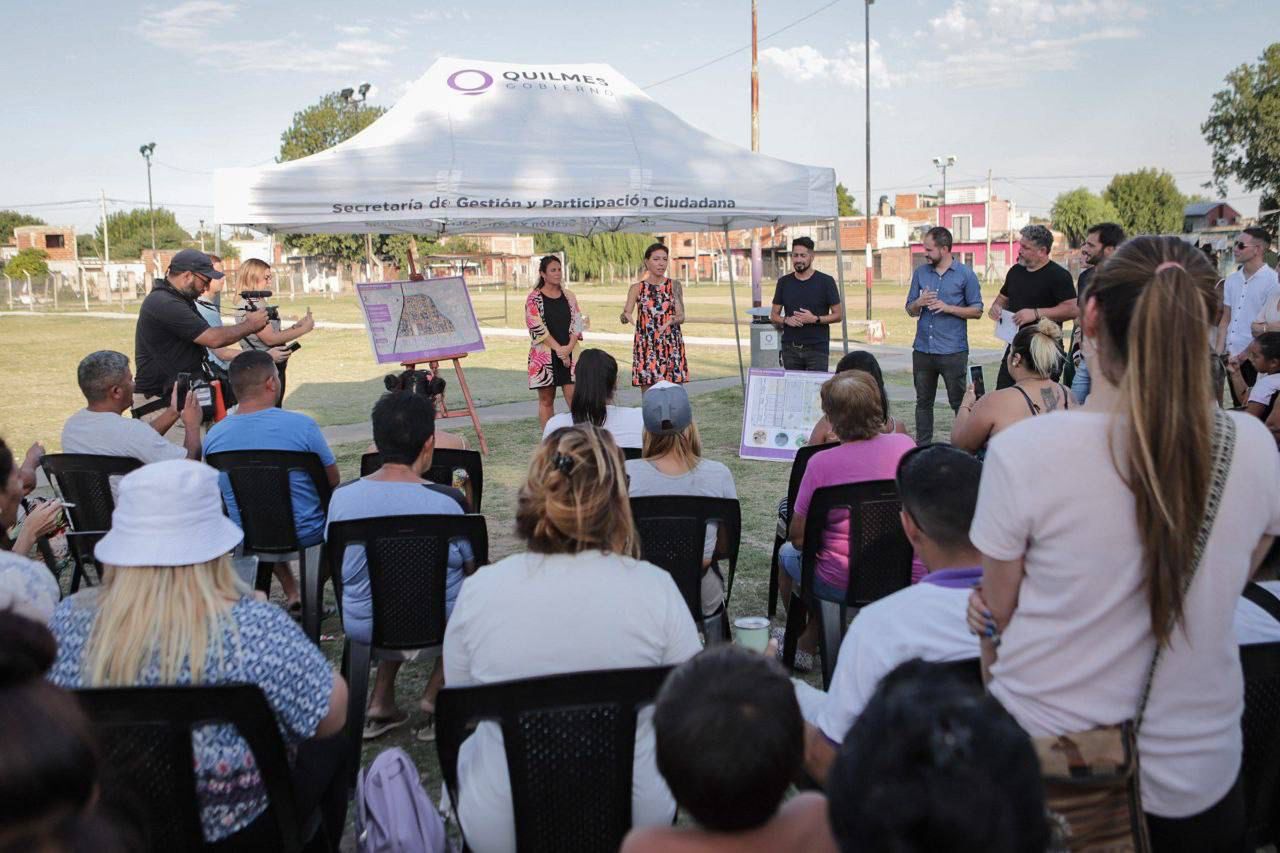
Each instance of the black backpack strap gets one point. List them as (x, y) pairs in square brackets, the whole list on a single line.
[(1258, 595)]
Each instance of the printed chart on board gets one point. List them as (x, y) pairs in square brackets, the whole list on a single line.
[(781, 411), (416, 321)]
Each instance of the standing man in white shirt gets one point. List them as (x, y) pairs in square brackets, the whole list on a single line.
[(1245, 294), (100, 428)]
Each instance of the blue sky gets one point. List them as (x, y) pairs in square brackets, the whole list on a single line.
[(1048, 94)]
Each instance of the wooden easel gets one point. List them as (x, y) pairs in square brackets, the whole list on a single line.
[(434, 364)]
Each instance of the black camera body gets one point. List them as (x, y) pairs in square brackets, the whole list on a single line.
[(198, 385), (273, 313)]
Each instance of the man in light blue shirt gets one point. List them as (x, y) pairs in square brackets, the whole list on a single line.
[(945, 296)]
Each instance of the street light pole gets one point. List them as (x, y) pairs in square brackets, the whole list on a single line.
[(146, 151), (867, 75), (202, 235), (944, 163)]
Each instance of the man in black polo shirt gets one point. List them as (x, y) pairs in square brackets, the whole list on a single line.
[(805, 303), (1034, 287), (171, 336)]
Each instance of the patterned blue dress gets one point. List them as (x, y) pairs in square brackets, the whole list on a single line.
[(261, 645)]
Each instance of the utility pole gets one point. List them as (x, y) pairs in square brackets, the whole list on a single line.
[(106, 235), (146, 151), (944, 163), (202, 235), (986, 264), (867, 76), (756, 262)]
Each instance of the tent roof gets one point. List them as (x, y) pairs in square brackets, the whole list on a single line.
[(495, 146)]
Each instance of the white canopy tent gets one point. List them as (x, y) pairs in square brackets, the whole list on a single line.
[(490, 146)]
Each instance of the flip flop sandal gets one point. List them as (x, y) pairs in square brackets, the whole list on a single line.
[(375, 727), (427, 733)]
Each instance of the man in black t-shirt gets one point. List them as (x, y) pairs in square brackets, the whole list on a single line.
[(171, 336), (805, 303), (1034, 287)]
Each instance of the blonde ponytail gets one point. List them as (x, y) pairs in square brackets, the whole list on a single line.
[(1040, 346)]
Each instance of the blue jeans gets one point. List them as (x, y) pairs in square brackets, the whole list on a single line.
[(1080, 383), (789, 560)]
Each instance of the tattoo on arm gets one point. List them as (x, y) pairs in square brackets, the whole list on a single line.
[(679, 294), (1050, 399)]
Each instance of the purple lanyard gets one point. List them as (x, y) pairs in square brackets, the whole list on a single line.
[(954, 578)]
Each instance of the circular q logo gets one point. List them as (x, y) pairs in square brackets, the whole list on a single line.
[(458, 81)]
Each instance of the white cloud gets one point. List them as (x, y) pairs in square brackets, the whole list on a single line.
[(440, 16), (353, 29), (847, 66), (186, 21)]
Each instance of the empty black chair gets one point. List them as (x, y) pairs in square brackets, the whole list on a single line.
[(260, 483), (570, 745), (879, 562), (145, 736), (1261, 728), (672, 530), (443, 461), (84, 481), (408, 559), (798, 466)]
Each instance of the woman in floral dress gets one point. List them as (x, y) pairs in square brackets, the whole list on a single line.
[(658, 351), (555, 327)]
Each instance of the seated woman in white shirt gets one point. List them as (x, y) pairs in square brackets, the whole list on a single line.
[(595, 382), (577, 600), (1082, 592)]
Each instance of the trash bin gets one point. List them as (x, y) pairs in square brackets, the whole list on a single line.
[(766, 340)]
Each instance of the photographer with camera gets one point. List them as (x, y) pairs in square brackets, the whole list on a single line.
[(219, 361), (171, 336), (254, 282)]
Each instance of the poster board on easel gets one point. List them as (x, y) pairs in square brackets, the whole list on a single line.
[(417, 321)]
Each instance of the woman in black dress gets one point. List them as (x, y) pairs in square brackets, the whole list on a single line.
[(555, 327)]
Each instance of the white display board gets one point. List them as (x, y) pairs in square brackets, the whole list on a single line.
[(417, 321), (781, 410)]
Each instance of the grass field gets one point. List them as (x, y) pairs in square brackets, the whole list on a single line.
[(334, 379)]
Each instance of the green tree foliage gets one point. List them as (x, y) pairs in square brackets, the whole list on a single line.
[(130, 232), (1148, 202), (1074, 212), (1243, 129), (595, 258), (86, 246), (845, 203), (323, 125), (11, 219), (27, 262)]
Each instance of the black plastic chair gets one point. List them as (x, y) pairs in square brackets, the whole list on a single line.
[(570, 746), (84, 479), (145, 736), (798, 466), (408, 558), (630, 453), (672, 530), (879, 563), (260, 483), (1261, 728), (443, 461)]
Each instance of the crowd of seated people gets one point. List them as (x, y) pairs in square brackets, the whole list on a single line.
[(1068, 603)]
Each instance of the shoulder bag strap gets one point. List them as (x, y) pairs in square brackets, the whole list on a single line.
[(1224, 445), (1260, 596)]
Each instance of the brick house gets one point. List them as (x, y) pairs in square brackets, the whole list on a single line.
[(58, 242)]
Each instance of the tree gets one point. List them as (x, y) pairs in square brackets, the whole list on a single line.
[(323, 125), (27, 262), (86, 246), (1243, 129), (130, 232), (845, 204), (598, 256), (1074, 212), (11, 219), (1147, 201)]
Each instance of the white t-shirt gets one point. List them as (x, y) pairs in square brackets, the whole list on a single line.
[(513, 621), (109, 434), (1252, 623), (626, 425), (1264, 388), (1075, 653), (922, 621), (1246, 298)]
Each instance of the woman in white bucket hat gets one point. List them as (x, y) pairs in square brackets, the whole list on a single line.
[(172, 611)]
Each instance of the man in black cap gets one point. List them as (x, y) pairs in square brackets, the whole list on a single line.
[(171, 336)]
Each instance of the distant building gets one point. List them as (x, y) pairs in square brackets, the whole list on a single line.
[(58, 242), (1202, 216)]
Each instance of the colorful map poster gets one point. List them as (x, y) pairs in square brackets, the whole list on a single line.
[(781, 411), (414, 321)]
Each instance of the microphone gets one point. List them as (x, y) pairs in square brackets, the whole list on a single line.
[(256, 294)]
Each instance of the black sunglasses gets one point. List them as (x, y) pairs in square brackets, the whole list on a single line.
[(1240, 244)]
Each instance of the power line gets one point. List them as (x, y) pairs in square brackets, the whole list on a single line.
[(738, 50)]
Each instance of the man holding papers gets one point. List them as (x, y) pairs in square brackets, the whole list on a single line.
[(1035, 287)]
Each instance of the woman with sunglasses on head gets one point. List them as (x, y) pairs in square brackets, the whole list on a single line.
[(256, 275)]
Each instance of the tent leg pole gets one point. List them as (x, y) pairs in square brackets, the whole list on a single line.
[(844, 309), (733, 300)]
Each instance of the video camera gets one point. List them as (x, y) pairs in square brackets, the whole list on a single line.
[(198, 385), (273, 313)]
